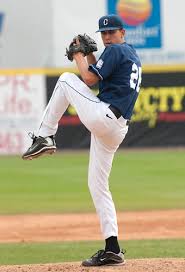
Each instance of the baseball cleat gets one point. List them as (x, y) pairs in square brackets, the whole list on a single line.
[(40, 146), (103, 257)]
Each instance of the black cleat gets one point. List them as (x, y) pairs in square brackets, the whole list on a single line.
[(103, 257), (39, 147)]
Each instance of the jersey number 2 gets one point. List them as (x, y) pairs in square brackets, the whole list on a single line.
[(135, 77)]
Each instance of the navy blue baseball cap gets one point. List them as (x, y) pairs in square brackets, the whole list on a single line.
[(110, 22)]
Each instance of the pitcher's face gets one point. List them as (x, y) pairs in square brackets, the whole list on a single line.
[(113, 36)]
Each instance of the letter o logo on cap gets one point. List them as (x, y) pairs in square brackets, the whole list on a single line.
[(105, 22)]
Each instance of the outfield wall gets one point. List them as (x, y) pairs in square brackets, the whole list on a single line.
[(158, 118)]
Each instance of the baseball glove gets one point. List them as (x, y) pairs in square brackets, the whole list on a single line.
[(74, 48), (89, 44), (86, 46)]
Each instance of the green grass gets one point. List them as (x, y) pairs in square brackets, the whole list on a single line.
[(76, 251), (139, 180)]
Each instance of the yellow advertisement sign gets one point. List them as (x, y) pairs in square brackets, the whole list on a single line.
[(152, 101)]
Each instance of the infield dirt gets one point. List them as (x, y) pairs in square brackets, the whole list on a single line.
[(80, 227), (77, 227)]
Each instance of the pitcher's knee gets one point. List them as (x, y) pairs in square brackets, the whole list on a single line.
[(67, 76)]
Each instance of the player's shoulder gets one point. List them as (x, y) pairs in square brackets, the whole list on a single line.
[(129, 51), (114, 49), (127, 47), (122, 51), (115, 46), (123, 47)]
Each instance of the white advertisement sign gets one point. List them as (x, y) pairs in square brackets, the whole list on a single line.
[(68, 21), (22, 101)]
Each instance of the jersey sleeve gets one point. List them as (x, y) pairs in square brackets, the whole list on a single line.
[(107, 62)]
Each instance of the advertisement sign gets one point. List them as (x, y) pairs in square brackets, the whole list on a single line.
[(141, 20), (160, 104), (22, 101)]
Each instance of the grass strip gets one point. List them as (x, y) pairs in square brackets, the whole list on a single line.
[(29, 253), (139, 180)]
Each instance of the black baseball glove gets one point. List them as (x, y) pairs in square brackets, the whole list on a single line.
[(74, 48), (86, 46), (89, 44)]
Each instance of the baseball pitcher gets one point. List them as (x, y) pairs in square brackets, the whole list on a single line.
[(106, 116)]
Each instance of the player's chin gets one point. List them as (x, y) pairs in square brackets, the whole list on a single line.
[(107, 44)]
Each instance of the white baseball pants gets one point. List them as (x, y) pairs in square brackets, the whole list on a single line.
[(107, 132)]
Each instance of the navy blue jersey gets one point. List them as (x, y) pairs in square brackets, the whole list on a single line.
[(119, 70)]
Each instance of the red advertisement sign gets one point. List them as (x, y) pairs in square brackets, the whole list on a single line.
[(22, 101)]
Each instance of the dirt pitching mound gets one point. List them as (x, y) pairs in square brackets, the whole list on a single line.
[(80, 227), (138, 265), (73, 227)]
